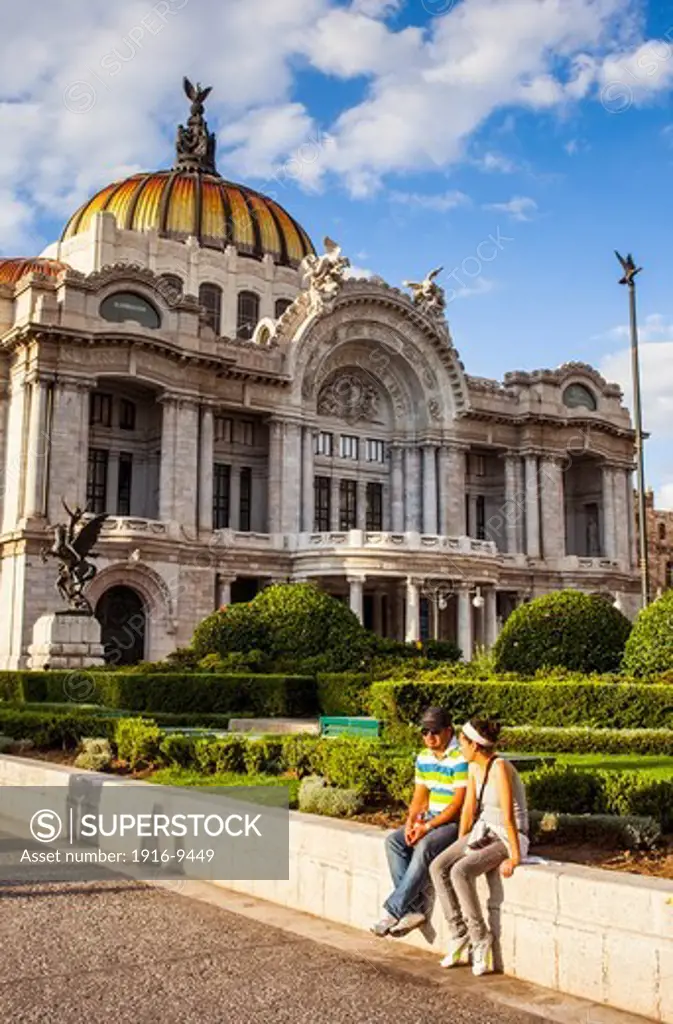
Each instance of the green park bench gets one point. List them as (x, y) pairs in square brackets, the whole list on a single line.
[(367, 728)]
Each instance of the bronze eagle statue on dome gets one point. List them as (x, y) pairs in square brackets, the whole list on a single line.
[(195, 145), (72, 546)]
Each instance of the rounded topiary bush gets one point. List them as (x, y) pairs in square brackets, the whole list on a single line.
[(649, 649), (236, 627), (566, 629)]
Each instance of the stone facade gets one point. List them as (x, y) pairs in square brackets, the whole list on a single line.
[(344, 444), (659, 546)]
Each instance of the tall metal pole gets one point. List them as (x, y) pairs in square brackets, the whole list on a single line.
[(630, 271)]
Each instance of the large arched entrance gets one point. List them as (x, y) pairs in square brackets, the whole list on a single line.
[(121, 614)]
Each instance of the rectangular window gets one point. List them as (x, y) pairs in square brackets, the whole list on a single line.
[(127, 414), (124, 484), (100, 410), (348, 504), (478, 465), (376, 450), (323, 504), (348, 447), (481, 517), (223, 429), (221, 492), (323, 444), (245, 500), (245, 432), (374, 507), (96, 480)]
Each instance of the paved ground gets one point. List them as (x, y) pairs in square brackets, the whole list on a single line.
[(129, 953)]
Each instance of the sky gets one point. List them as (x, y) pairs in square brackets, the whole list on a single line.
[(516, 143)]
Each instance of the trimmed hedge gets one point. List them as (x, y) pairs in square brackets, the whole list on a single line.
[(343, 693), (566, 629), (649, 648), (627, 833), (578, 740), (49, 731), (599, 705)]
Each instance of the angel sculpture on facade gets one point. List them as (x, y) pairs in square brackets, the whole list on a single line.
[(324, 275), (428, 296), (73, 549)]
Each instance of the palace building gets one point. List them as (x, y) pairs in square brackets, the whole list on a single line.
[(246, 412)]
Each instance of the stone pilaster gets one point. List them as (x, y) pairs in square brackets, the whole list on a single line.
[(465, 623), (553, 508), (206, 460), (307, 493), (361, 506), (69, 446), (292, 450), (430, 524), (37, 450), (235, 498), (397, 488), (275, 485), (356, 595), (622, 511), (452, 470), (532, 507), (335, 506), (168, 468), (179, 449), (609, 523), (514, 503), (412, 629), (412, 487)]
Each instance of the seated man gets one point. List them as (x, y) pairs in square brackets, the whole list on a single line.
[(431, 825)]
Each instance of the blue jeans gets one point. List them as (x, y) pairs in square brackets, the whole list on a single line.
[(410, 867)]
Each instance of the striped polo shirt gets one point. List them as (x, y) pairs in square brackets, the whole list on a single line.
[(441, 775)]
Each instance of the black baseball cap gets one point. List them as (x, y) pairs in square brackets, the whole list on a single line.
[(435, 719)]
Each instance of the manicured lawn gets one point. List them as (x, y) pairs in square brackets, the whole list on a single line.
[(653, 765), (188, 777)]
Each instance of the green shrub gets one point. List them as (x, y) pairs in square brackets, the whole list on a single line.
[(578, 740), (605, 830), (221, 754), (137, 741), (566, 629), (58, 686), (267, 696), (234, 628), (649, 649), (235, 662), (343, 693), (51, 730), (316, 797), (264, 755), (176, 749), (632, 793), (595, 704), (95, 756), (565, 789)]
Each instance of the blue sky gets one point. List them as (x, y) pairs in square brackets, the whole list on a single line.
[(412, 132)]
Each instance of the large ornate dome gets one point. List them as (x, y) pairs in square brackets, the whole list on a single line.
[(192, 199)]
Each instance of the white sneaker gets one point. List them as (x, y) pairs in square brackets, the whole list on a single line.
[(482, 957), (408, 923), (457, 953), (383, 926)]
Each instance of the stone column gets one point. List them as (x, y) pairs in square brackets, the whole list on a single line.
[(397, 489), (335, 498), (514, 503), (413, 625), (621, 518), (609, 546), (412, 489), (275, 485), (307, 493), (452, 469), (553, 508), (356, 585), (14, 461), (206, 461), (361, 517), (37, 450), (399, 613), (430, 489), (532, 507), (490, 617), (167, 471), (465, 626), (291, 478), (224, 597), (69, 446)]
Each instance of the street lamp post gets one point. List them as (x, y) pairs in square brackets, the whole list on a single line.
[(630, 270)]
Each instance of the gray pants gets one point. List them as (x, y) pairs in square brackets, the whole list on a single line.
[(454, 875)]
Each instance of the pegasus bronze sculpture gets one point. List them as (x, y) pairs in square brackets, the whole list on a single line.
[(72, 546)]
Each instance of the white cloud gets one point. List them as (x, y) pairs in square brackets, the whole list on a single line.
[(654, 327), (495, 162), (518, 208), (664, 496), (354, 271), (479, 286), (440, 203), (656, 374)]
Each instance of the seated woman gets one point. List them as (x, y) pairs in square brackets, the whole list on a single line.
[(493, 834)]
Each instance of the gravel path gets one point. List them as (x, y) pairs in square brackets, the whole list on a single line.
[(133, 954)]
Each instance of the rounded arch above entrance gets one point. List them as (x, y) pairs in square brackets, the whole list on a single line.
[(123, 621)]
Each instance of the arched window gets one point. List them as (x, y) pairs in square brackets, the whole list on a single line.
[(210, 298), (281, 306), (171, 289), (122, 306), (247, 315), (662, 531), (577, 396)]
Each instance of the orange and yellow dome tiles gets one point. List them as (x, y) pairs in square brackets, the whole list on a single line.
[(12, 270), (183, 203)]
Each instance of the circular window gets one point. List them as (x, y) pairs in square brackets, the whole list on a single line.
[(128, 306), (576, 396)]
